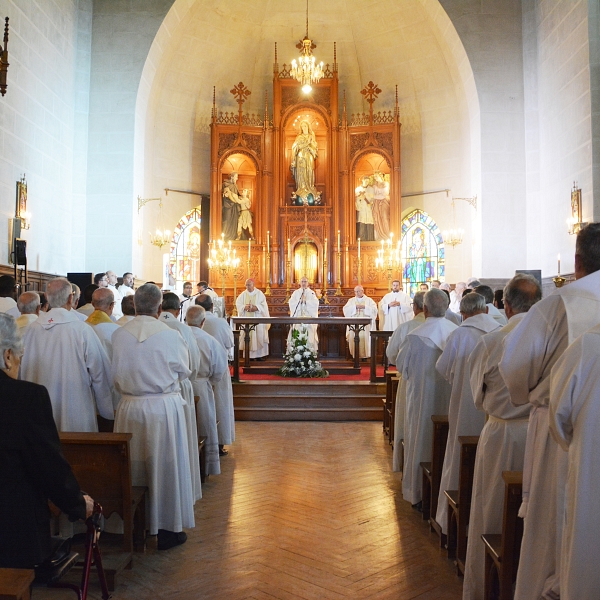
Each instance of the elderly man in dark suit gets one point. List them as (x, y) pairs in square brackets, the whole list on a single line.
[(32, 467)]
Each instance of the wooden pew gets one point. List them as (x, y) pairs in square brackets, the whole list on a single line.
[(459, 502), (387, 402), (101, 464), (432, 473), (392, 406), (15, 584), (502, 550)]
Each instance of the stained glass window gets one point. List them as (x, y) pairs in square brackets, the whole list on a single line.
[(423, 253), (185, 249)]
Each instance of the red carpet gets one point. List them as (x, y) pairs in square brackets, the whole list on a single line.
[(364, 376)]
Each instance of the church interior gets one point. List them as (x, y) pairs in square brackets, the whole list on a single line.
[(442, 140)]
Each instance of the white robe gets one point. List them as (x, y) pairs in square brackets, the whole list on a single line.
[(117, 312), (427, 393), (149, 361), (259, 338), (24, 321), (530, 352), (574, 423), (370, 310), (125, 319), (184, 303), (125, 290), (9, 306), (501, 448), (104, 332), (497, 315), (187, 393), (65, 355), (463, 417), (392, 351), (213, 366), (304, 303), (394, 316)]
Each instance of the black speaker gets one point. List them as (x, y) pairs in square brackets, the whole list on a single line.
[(20, 250), (81, 279)]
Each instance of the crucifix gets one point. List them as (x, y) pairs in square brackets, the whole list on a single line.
[(240, 93), (370, 92)]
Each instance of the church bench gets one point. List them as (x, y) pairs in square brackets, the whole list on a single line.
[(387, 402), (502, 551), (392, 406), (459, 502), (15, 584), (101, 465), (432, 472)]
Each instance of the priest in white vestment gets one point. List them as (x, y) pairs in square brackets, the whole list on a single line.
[(304, 303), (530, 352), (128, 310), (102, 324), (463, 417), (360, 306), (502, 441), (213, 367), (427, 393), (392, 351), (456, 295), (149, 361), (396, 308), (112, 286), (218, 303), (220, 330), (170, 317), (253, 303), (76, 296), (65, 355), (574, 424), (29, 307), (487, 292)]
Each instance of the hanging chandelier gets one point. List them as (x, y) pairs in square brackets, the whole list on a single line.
[(305, 70), (162, 236), (454, 236)]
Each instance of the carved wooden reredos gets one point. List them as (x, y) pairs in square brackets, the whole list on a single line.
[(259, 148)]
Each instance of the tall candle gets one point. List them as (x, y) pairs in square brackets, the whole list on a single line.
[(289, 251), (358, 247), (339, 248), (325, 253), (249, 241), (268, 243), (559, 264)]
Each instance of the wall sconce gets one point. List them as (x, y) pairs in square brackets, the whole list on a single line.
[(574, 222), (21, 212), (162, 237), (4, 60)]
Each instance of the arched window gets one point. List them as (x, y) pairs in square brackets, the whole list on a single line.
[(184, 255), (423, 254)]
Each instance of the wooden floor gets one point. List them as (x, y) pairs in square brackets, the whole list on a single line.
[(302, 510)]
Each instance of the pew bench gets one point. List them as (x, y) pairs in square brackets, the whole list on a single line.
[(459, 502), (15, 584), (387, 404), (502, 551), (395, 382), (101, 465)]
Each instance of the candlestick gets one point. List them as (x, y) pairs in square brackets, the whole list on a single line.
[(359, 270), (559, 264), (287, 287), (268, 290), (359, 248), (338, 291), (268, 243), (338, 240)]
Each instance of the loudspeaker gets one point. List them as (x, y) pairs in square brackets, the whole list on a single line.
[(537, 273), (81, 279), (20, 250)]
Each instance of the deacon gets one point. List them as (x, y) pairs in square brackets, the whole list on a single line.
[(427, 393), (213, 367), (170, 317), (360, 306), (304, 303), (396, 307), (453, 366), (223, 390), (128, 309), (103, 303), (392, 351), (150, 360), (65, 355), (502, 441), (253, 303), (531, 350), (487, 292), (29, 307)]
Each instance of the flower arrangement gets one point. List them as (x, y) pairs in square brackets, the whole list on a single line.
[(300, 360)]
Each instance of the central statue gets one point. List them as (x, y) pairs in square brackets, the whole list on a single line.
[(304, 154)]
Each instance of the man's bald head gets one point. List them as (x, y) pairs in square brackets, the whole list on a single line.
[(103, 299), (29, 303), (205, 302), (521, 293), (195, 316)]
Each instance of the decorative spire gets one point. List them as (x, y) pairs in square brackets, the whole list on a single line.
[(275, 65), (334, 57), (396, 109), (266, 121), (214, 106), (344, 115)]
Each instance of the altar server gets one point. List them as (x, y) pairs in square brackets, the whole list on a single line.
[(502, 441), (393, 348), (531, 350), (253, 303), (170, 317), (396, 307), (213, 367), (65, 355), (150, 360), (304, 303), (427, 392), (103, 303), (453, 366), (360, 306)]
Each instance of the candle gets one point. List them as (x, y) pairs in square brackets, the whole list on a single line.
[(339, 247), (289, 252), (249, 242), (559, 264), (359, 248), (268, 243)]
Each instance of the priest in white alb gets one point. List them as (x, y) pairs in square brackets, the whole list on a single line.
[(149, 361), (170, 317), (574, 424), (253, 303), (65, 355), (213, 367), (502, 440), (427, 392), (393, 348), (304, 303), (531, 350), (487, 292), (363, 307), (396, 307), (103, 302), (453, 366)]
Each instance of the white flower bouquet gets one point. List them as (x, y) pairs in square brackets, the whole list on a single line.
[(300, 360)]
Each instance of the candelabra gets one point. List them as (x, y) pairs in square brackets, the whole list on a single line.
[(223, 258), (388, 260), (338, 290), (559, 281), (268, 290), (325, 271)]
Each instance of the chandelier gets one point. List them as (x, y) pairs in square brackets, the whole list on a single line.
[(162, 236), (223, 258), (453, 236), (388, 258), (305, 70)]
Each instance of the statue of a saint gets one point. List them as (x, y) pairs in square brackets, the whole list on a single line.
[(230, 211), (363, 194), (245, 218), (304, 154), (381, 206)]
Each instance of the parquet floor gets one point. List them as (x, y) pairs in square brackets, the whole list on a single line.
[(301, 511)]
